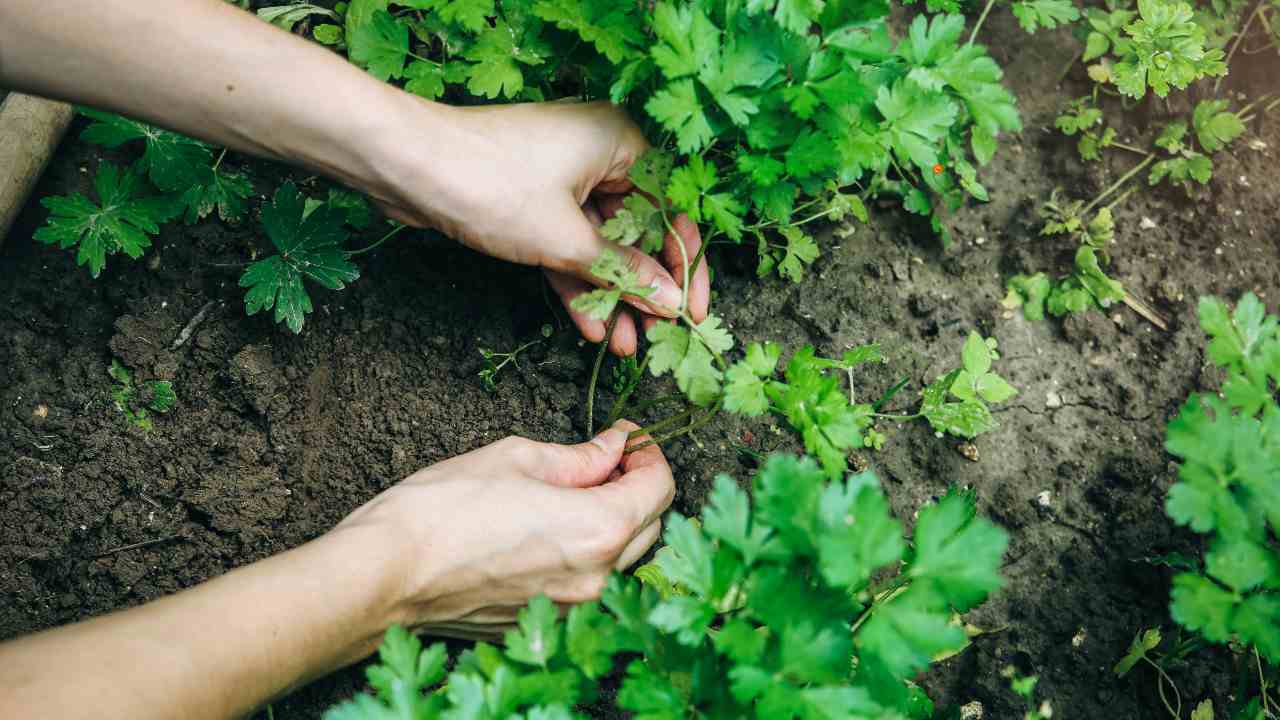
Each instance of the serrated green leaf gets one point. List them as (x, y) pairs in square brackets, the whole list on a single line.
[(309, 247), (538, 638), (121, 221)]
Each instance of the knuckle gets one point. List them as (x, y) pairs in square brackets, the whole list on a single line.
[(609, 540), (516, 446), (586, 587)]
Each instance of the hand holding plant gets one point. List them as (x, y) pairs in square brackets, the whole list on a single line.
[(473, 538)]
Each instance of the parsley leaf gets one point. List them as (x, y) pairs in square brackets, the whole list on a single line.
[(612, 269), (121, 220), (1049, 14), (689, 357), (1215, 126), (309, 247), (691, 190), (538, 637)]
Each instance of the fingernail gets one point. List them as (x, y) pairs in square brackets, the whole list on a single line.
[(611, 440), (666, 292)]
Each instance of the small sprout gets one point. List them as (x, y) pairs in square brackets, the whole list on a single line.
[(134, 399), (494, 361)]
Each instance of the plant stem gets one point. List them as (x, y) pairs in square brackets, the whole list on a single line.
[(1160, 681), (1130, 148), (697, 423), (684, 261), (652, 402), (981, 19), (217, 163), (897, 418), (664, 423), (1236, 45), (381, 240), (620, 402), (595, 373), (1116, 185), (1261, 98), (1117, 201)]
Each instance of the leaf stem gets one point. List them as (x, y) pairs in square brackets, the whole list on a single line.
[(398, 227), (981, 19), (697, 423), (218, 162), (1257, 7), (1116, 185), (595, 373), (664, 423), (1160, 681), (1130, 148), (897, 418)]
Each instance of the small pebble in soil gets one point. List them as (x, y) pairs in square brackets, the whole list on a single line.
[(1077, 640), (1147, 223), (972, 711), (968, 451), (1044, 498), (40, 412), (1052, 400)]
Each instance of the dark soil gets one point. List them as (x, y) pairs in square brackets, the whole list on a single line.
[(276, 437)]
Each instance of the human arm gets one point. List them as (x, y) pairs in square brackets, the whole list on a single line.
[(454, 549), (519, 182)]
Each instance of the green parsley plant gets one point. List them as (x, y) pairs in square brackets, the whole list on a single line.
[(802, 600)]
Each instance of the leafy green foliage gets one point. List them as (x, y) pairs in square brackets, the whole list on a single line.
[(1229, 446), (1087, 286), (134, 399), (690, 354), (1049, 14), (610, 268), (767, 102), (121, 220), (286, 16), (1215, 126), (1082, 117), (309, 247), (1143, 643), (1165, 49), (173, 162), (973, 386), (783, 578)]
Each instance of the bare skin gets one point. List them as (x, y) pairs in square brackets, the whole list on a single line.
[(525, 183), (454, 549)]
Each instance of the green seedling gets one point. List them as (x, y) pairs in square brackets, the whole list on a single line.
[(135, 399), (1228, 445), (766, 608), (1025, 688), (495, 361)]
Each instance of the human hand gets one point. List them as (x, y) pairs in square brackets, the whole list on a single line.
[(531, 184), (475, 537)]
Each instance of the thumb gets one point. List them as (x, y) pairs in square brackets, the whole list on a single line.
[(650, 272), (585, 464)]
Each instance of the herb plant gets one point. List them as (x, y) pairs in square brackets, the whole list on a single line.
[(779, 608), (767, 103), (134, 399), (122, 220), (1229, 448)]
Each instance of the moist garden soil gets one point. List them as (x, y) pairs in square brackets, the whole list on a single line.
[(276, 437)]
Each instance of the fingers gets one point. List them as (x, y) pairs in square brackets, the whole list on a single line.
[(687, 235), (646, 487), (587, 245), (638, 546), (583, 465), (567, 288)]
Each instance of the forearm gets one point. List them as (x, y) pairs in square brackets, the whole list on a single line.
[(216, 651), (212, 71)]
